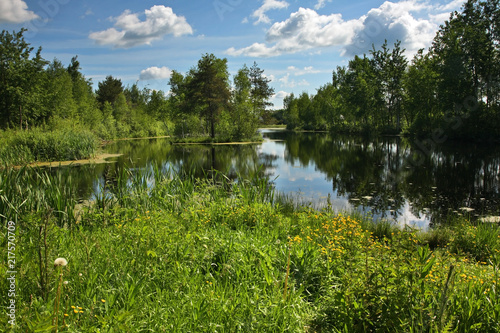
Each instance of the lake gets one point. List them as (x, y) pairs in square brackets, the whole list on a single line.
[(408, 181)]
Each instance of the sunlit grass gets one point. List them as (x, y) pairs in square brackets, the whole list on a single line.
[(167, 252)]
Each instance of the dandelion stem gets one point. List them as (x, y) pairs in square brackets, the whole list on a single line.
[(287, 274)]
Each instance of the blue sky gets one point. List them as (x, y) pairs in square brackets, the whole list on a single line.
[(297, 43)]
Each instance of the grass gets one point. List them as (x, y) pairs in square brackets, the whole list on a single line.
[(24, 147), (159, 252)]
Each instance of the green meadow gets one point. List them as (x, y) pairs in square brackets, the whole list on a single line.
[(158, 251)]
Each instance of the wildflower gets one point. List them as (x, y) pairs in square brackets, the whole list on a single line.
[(103, 300), (65, 282), (66, 315), (60, 262)]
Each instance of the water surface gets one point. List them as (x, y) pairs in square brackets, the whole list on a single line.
[(414, 183)]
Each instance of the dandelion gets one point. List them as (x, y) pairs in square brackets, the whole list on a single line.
[(60, 262), (103, 300)]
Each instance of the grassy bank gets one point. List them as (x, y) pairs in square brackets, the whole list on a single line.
[(218, 140), (24, 147), (159, 252)]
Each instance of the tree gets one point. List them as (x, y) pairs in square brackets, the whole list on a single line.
[(466, 52), (389, 67), (86, 105), (360, 94), (243, 115), (291, 112), (109, 90), (209, 88), (157, 105), (59, 92), (260, 90), (420, 84), (21, 80)]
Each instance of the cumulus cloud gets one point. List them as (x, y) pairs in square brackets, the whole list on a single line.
[(15, 11), (130, 31), (260, 14), (392, 22), (155, 73), (303, 30), (413, 22)]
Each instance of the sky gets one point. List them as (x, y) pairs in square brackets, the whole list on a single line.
[(298, 44)]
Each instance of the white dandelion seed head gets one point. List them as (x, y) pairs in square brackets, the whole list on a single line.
[(60, 262)]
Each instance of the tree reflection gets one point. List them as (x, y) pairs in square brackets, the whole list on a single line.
[(389, 175), (386, 173)]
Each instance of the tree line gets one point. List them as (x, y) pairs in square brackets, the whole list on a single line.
[(36, 93), (452, 90)]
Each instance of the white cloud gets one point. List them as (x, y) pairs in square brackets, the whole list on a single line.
[(303, 30), (270, 77), (281, 94), (321, 4), (413, 22), (260, 14), (130, 31), (392, 22), (451, 6), (306, 70), (291, 83), (15, 11), (155, 73), (277, 99), (88, 12)]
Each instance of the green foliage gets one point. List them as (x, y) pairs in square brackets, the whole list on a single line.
[(58, 145), (161, 251), (21, 76), (208, 89), (35, 93), (452, 89), (109, 90), (202, 103), (260, 92)]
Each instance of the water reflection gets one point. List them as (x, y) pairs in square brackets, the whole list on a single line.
[(393, 178), (410, 182)]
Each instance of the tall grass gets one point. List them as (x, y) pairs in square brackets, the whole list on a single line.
[(23, 147), (178, 253), (31, 191)]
